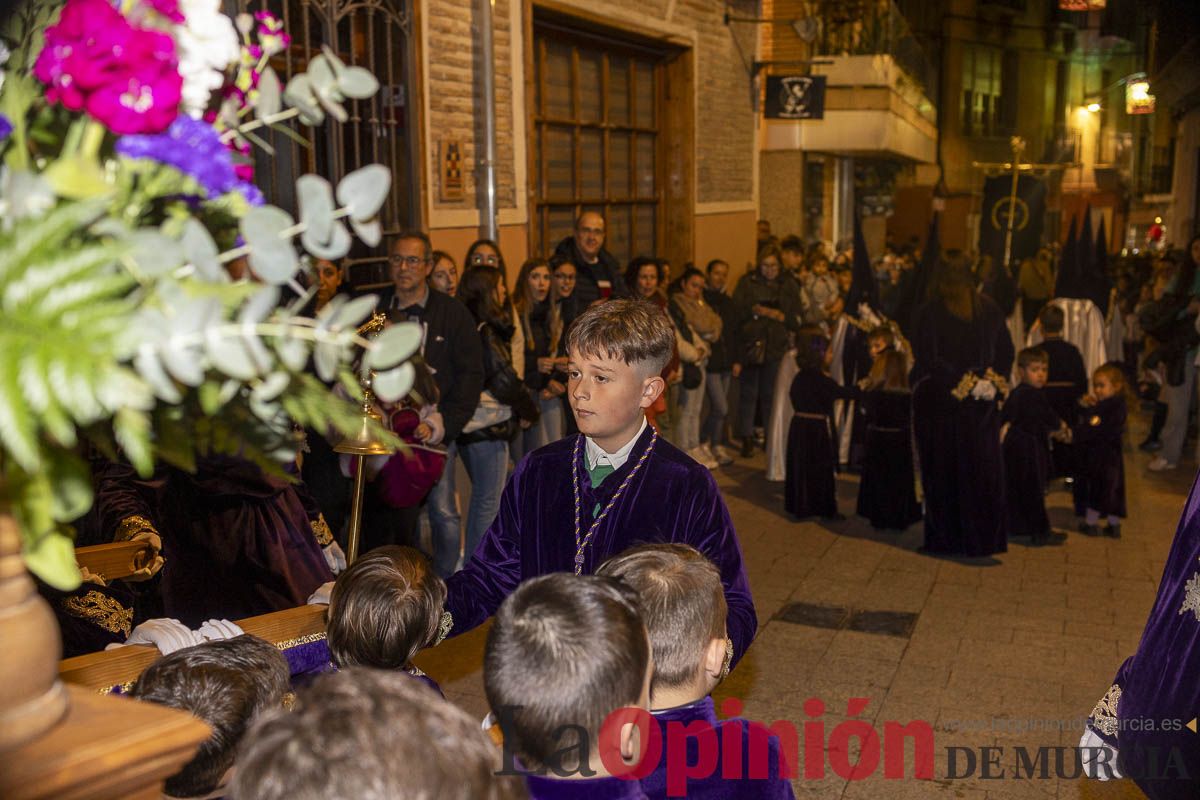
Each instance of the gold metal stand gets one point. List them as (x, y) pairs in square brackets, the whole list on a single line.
[(360, 446)]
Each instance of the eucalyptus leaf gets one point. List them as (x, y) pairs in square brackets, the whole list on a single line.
[(148, 365), (272, 256), (229, 355), (393, 345), (155, 253), (272, 386), (331, 102), (358, 83), (326, 356), (336, 65), (364, 190), (352, 313), (299, 95), (293, 353), (320, 74), (229, 390), (394, 384), (371, 233), (183, 362), (201, 252), (314, 196), (259, 307), (337, 246), (269, 94)]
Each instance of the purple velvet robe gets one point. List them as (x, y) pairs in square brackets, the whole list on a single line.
[(671, 499), (1027, 459), (1160, 682), (1099, 463), (236, 542), (716, 787), (587, 789)]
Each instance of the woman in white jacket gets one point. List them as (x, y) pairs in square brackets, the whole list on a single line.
[(697, 326)]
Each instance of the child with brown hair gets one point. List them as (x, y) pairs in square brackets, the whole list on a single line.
[(887, 495), (1100, 466), (384, 609), (809, 485), (1028, 421)]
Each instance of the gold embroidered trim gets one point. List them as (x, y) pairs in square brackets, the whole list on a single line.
[(1104, 715), (416, 672), (124, 687), (1191, 597), (444, 627), (133, 525), (728, 658), (102, 610), (320, 529), (299, 640)]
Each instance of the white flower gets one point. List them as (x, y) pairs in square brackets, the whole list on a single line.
[(3, 60), (984, 390), (207, 45), (23, 194)]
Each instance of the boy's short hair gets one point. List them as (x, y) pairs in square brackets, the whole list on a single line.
[(1113, 372), (1032, 355), (683, 605), (792, 243), (384, 608), (225, 683), (882, 332), (1052, 319), (370, 735), (564, 650), (635, 331)]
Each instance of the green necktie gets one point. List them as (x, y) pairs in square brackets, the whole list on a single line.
[(597, 476)]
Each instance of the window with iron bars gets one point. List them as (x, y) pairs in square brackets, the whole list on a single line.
[(377, 35)]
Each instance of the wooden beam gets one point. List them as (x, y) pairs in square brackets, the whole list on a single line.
[(115, 560), (122, 665)]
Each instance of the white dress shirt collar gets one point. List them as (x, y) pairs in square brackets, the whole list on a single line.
[(597, 457)]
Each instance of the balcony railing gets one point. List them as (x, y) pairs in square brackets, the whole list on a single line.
[(870, 27)]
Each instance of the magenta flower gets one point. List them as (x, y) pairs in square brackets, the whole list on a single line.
[(168, 8), (125, 77)]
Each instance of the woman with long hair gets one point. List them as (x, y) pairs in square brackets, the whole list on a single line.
[(768, 308), (643, 277), (887, 492), (960, 335), (504, 406), (486, 253), (540, 318), (697, 327)]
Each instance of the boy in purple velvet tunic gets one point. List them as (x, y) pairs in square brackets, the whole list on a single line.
[(566, 656), (570, 505), (684, 610), (384, 609)]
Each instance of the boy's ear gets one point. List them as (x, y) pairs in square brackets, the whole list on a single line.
[(714, 660), (652, 389)]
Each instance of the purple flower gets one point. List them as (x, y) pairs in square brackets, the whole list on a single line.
[(193, 148), (251, 193), (6, 128)]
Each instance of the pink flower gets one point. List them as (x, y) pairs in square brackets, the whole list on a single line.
[(125, 77), (168, 8)]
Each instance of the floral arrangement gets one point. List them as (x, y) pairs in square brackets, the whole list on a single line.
[(126, 197), (984, 387)]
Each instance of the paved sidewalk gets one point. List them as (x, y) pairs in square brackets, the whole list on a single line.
[(1004, 652)]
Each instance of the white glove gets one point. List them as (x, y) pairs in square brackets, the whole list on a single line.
[(219, 629), (155, 561), (168, 635), (1089, 744), (321, 596), (334, 557), (984, 390)]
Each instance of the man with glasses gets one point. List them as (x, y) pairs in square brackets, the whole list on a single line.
[(598, 275)]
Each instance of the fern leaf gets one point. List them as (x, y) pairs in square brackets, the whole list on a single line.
[(18, 429), (132, 429)]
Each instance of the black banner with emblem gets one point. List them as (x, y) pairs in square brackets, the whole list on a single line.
[(795, 97), (1029, 217)]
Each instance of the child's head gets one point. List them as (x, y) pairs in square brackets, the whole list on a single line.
[(616, 351), (889, 371), (881, 339), (792, 250), (1108, 381), (683, 604), (384, 608), (811, 349), (1033, 365), (564, 653), (396, 738), (225, 683), (845, 279), (1051, 318), (820, 264)]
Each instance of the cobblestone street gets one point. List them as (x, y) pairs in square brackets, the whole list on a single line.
[(1006, 652)]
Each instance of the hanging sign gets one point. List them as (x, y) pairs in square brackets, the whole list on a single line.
[(1138, 99), (795, 97)]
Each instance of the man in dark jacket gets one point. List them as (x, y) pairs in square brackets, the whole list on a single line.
[(720, 368), (598, 275)]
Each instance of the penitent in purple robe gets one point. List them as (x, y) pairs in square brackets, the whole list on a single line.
[(607, 788), (236, 541), (671, 499), (1156, 692), (760, 756)]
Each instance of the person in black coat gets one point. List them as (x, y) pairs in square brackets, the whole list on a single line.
[(809, 485), (887, 495), (1100, 476), (719, 372), (1028, 421), (1066, 381), (959, 336), (598, 275)]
